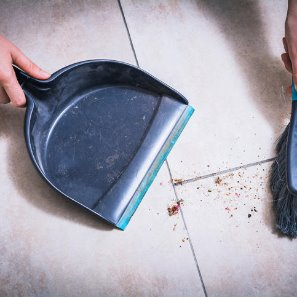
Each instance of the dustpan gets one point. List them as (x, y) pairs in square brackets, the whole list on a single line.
[(98, 132)]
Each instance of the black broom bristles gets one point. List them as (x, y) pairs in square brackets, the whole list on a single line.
[(284, 202)]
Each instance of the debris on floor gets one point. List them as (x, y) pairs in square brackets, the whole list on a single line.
[(218, 180), (237, 193), (184, 240), (177, 181), (174, 209)]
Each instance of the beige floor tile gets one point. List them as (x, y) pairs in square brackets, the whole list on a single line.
[(49, 247), (231, 226), (224, 56), (57, 33)]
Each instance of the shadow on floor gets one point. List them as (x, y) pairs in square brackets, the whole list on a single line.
[(241, 23), (29, 183)]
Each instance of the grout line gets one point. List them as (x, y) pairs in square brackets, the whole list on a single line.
[(130, 39), (170, 175), (190, 241), (175, 193), (190, 180)]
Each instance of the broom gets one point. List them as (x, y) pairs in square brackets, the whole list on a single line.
[(283, 176)]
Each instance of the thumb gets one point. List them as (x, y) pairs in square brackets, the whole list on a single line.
[(20, 60)]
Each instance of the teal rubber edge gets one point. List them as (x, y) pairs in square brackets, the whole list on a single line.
[(294, 93), (153, 171)]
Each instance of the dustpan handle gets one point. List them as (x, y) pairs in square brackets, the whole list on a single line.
[(21, 76), (292, 146)]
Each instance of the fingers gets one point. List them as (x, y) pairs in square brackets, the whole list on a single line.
[(285, 44), (3, 97), (27, 65), (287, 62), (290, 60), (9, 86), (13, 90)]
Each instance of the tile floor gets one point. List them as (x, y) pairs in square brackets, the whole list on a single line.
[(224, 57)]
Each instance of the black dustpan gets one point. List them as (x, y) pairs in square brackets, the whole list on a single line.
[(98, 132)]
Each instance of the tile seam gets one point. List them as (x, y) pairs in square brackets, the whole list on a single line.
[(186, 228), (167, 164), (128, 32), (190, 180)]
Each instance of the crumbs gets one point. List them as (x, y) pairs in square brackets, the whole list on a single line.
[(174, 209), (218, 180), (177, 181), (239, 192)]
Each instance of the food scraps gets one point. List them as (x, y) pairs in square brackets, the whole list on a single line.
[(177, 181), (218, 180), (174, 209)]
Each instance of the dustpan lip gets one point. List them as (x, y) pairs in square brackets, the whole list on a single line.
[(65, 69)]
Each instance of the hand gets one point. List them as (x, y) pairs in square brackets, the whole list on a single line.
[(290, 40), (10, 90)]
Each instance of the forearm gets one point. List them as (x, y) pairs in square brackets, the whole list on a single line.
[(292, 8)]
